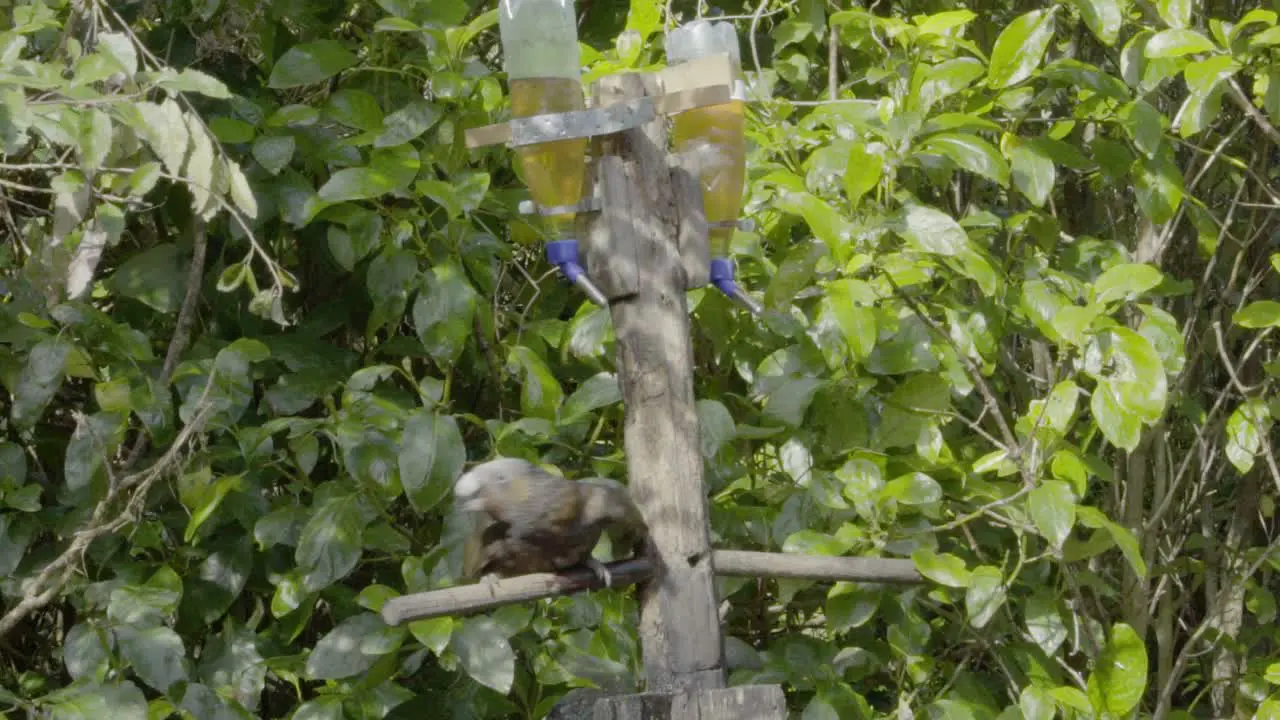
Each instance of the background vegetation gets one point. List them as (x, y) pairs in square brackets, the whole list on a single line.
[(259, 304)]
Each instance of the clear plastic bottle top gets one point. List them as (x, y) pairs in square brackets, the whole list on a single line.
[(539, 39), (701, 38)]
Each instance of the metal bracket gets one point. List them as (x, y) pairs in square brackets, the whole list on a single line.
[(706, 81), (590, 204)]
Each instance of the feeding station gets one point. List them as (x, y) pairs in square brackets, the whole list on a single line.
[(636, 219)]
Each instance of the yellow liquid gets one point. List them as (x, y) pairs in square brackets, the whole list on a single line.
[(722, 126), (554, 171)]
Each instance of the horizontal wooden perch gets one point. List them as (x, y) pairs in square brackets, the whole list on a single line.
[(702, 82), (478, 597), (745, 563)]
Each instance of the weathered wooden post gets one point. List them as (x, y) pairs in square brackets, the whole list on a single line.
[(679, 624)]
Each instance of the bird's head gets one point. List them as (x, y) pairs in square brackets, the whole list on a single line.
[(469, 489)]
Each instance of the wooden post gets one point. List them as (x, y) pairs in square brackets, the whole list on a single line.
[(679, 623)]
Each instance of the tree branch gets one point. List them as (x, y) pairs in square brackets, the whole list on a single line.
[(42, 589)]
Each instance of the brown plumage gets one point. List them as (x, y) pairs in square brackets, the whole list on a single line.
[(528, 520)]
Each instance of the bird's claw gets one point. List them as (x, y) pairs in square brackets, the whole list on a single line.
[(600, 571), (490, 580)]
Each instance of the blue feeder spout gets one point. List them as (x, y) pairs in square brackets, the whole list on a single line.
[(722, 277), (564, 255)]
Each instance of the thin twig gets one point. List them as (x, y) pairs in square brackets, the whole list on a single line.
[(186, 318), (1242, 101), (45, 586)]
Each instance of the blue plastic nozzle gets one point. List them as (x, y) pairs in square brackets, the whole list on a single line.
[(564, 255), (722, 278)]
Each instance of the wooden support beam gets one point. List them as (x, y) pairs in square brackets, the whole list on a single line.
[(744, 563), (679, 622)]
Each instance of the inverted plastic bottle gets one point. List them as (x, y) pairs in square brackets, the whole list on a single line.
[(716, 134), (540, 49)]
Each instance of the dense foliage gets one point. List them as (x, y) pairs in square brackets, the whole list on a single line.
[(259, 304)]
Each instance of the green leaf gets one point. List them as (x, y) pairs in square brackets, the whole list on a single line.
[(310, 63), (1145, 126), (851, 605), (39, 380), (273, 152), (15, 536), (862, 173), (92, 445), (828, 225), (1074, 73), (812, 542), (913, 489), (1125, 281), (1175, 13), (932, 230), (485, 653), (946, 79), (1159, 186), (152, 602), (1177, 42), (434, 633), (156, 654), (95, 139), (985, 595), (1258, 314), (156, 277), (355, 108), (340, 653), (794, 274), (231, 130), (1119, 677), (715, 426), (857, 323), (540, 393), (1044, 622), (971, 153), (1053, 510), (944, 569), (1033, 171), (1019, 48), (598, 391), (1128, 545), (1071, 698), (330, 543), (1068, 466), (940, 23), (431, 458), (1103, 18), (358, 183), (190, 80), (208, 503), (86, 651), (407, 123), (1119, 426), (1245, 429), (93, 701), (444, 313)]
